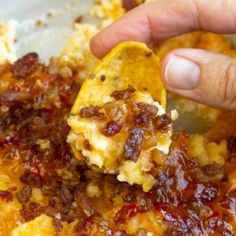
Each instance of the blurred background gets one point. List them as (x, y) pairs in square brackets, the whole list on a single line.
[(41, 25)]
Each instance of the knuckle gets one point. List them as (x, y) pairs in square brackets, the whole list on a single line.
[(229, 85)]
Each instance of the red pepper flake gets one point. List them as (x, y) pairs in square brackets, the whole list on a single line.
[(123, 94), (112, 128), (26, 65), (133, 145), (126, 213)]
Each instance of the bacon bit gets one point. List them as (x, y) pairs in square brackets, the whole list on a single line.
[(206, 193), (149, 54), (57, 225), (6, 195), (126, 213), (79, 19), (142, 120), (24, 194), (87, 145), (232, 146), (26, 65), (31, 179), (65, 195), (112, 128), (133, 145), (91, 111), (162, 122), (148, 109), (32, 211), (103, 78), (129, 4), (123, 94)]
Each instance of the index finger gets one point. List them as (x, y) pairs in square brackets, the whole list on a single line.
[(167, 18)]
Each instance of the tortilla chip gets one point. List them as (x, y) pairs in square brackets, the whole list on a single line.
[(129, 65)]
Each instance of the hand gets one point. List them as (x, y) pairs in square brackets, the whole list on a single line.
[(200, 75)]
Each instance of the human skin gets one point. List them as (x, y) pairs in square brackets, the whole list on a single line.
[(203, 76)]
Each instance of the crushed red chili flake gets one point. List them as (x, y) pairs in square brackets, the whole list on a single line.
[(133, 145), (123, 94), (112, 128), (26, 65)]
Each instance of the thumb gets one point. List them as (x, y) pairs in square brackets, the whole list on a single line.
[(203, 76)]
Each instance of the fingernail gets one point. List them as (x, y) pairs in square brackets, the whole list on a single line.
[(181, 73)]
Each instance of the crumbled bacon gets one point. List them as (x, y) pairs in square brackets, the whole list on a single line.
[(133, 145), (58, 225), (148, 109), (91, 111), (26, 65), (112, 128), (24, 194), (6, 195), (192, 200), (142, 120), (123, 94), (162, 122)]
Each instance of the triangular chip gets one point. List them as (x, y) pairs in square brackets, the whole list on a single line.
[(118, 121)]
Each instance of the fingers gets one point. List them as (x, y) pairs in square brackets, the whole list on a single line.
[(167, 18), (203, 76)]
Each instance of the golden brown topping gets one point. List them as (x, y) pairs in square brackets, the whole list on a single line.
[(133, 145)]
